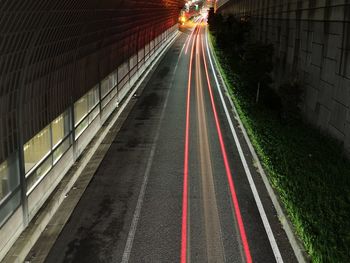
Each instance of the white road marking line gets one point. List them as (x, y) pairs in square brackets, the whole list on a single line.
[(298, 251), (257, 199), (137, 212)]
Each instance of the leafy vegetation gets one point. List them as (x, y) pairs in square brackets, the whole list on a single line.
[(307, 169)]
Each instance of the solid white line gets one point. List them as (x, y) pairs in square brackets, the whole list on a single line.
[(257, 199), (137, 212), (298, 251)]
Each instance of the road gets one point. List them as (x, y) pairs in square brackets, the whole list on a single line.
[(173, 186)]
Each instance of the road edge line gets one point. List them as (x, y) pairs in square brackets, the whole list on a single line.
[(235, 202), (184, 216), (296, 245)]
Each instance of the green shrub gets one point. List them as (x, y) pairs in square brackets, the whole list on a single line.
[(307, 169), (291, 94), (256, 65)]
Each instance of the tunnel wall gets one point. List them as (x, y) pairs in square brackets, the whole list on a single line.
[(58, 60), (312, 44), (53, 52)]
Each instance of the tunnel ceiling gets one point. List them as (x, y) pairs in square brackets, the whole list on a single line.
[(52, 52)]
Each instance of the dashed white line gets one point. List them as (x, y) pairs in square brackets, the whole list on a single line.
[(137, 212)]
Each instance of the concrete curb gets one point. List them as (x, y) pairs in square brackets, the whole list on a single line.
[(287, 226), (31, 234)]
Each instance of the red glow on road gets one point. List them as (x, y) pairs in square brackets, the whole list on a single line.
[(185, 182), (228, 169), (189, 39)]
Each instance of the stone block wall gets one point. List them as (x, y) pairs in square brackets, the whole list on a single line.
[(311, 39)]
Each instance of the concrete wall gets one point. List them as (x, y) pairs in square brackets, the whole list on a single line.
[(312, 44)]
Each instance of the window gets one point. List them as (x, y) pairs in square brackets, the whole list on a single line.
[(115, 78), (9, 183), (81, 127), (9, 177), (57, 154), (9, 206), (39, 173), (37, 148), (85, 105), (4, 179), (38, 155), (104, 87), (109, 88), (93, 114), (85, 110), (109, 83), (60, 128), (92, 98), (80, 109)]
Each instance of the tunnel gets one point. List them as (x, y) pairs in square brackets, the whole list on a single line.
[(174, 131), (62, 63)]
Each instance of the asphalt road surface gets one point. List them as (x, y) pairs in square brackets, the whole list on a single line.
[(172, 187)]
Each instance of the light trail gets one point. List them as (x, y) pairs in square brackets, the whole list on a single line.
[(228, 169), (258, 201), (190, 38), (183, 258), (213, 235)]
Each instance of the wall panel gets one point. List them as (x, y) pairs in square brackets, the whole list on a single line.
[(53, 52), (311, 44)]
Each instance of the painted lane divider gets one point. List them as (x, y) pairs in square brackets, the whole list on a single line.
[(183, 257), (228, 170), (138, 208), (257, 199), (189, 39)]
